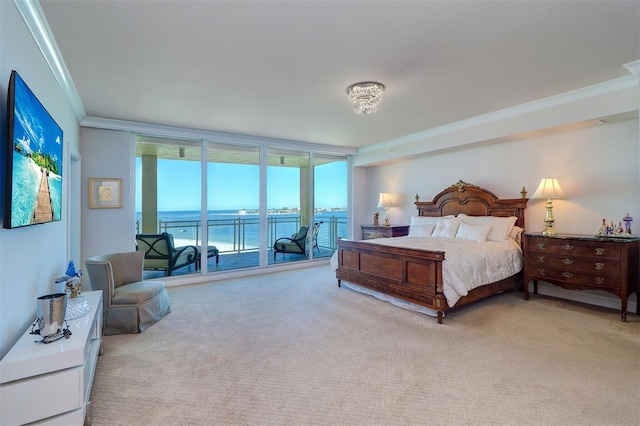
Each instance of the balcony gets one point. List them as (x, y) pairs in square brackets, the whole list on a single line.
[(237, 239)]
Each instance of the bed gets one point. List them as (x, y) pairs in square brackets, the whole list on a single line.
[(414, 273)]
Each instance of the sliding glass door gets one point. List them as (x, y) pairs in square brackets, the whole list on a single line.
[(241, 206), (168, 200), (233, 206), (289, 215), (330, 202)]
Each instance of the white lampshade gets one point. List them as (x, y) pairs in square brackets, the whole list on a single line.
[(549, 188), (385, 200)]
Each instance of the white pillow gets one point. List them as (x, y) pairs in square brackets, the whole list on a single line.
[(476, 233), (516, 234), (421, 230), (420, 221), (446, 228), (500, 226), (428, 220)]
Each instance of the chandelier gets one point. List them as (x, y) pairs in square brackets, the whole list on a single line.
[(365, 96)]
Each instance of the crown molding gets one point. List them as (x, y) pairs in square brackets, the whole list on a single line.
[(34, 18), (519, 110), (193, 134), (633, 67)]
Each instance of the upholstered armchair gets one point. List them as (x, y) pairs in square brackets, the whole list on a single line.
[(130, 304)]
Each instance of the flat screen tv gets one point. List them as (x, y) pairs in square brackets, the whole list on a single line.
[(33, 183)]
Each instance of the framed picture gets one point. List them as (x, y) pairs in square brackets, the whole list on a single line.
[(105, 193)]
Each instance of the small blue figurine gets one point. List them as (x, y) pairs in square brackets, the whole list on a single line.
[(71, 270)]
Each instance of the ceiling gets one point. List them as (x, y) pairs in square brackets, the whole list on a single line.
[(280, 69)]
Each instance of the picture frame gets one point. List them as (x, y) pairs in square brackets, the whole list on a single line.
[(105, 193)]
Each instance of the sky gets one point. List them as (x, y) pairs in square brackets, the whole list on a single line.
[(236, 187), (33, 127)]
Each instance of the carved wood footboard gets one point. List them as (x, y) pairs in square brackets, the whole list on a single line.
[(412, 275)]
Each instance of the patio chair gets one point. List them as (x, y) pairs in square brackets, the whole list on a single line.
[(297, 244), (316, 228), (211, 252), (161, 255)]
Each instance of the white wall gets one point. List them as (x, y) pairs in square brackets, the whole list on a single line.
[(597, 167), (32, 257), (107, 154)]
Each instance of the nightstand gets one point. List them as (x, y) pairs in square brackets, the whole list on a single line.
[(380, 231), (582, 262)]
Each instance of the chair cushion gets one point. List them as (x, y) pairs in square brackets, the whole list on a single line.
[(138, 292)]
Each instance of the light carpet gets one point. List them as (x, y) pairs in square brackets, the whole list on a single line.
[(292, 348)]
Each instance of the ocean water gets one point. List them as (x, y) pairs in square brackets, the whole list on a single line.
[(233, 230), (25, 185)]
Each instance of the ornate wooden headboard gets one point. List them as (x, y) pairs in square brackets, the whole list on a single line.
[(472, 200)]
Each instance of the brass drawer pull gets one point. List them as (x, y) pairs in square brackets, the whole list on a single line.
[(541, 259), (599, 266), (599, 280), (567, 274), (567, 246), (599, 251), (567, 261), (541, 246), (542, 272)]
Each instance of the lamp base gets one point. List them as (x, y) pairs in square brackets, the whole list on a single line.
[(549, 232), (548, 220)]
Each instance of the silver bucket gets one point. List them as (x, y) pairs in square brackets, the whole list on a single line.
[(51, 310)]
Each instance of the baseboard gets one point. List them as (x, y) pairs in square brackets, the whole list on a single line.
[(598, 298)]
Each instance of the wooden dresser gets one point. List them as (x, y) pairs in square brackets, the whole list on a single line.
[(380, 231), (580, 262)]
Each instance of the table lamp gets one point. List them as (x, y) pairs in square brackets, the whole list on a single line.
[(385, 202), (549, 188)]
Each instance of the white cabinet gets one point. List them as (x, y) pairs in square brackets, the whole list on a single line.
[(51, 383)]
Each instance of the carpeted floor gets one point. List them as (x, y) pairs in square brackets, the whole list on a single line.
[(292, 348)]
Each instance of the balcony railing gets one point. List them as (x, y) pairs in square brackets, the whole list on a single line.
[(240, 234)]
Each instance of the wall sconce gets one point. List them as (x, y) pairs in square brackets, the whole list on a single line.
[(385, 202), (549, 188)]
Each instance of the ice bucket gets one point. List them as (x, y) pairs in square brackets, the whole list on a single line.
[(51, 310)]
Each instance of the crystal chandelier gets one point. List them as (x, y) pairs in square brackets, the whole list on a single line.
[(365, 96)]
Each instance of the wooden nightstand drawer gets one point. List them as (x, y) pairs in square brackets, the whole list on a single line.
[(584, 248), (380, 231), (586, 264), (368, 235), (602, 281)]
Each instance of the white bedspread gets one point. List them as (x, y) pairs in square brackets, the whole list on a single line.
[(467, 264)]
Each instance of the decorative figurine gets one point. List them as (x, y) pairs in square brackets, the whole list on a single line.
[(613, 230), (376, 221), (627, 223), (74, 281)]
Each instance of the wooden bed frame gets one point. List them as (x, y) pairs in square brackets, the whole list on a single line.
[(416, 275)]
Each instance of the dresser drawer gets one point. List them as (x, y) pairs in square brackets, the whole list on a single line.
[(580, 278), (586, 264), (583, 248)]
